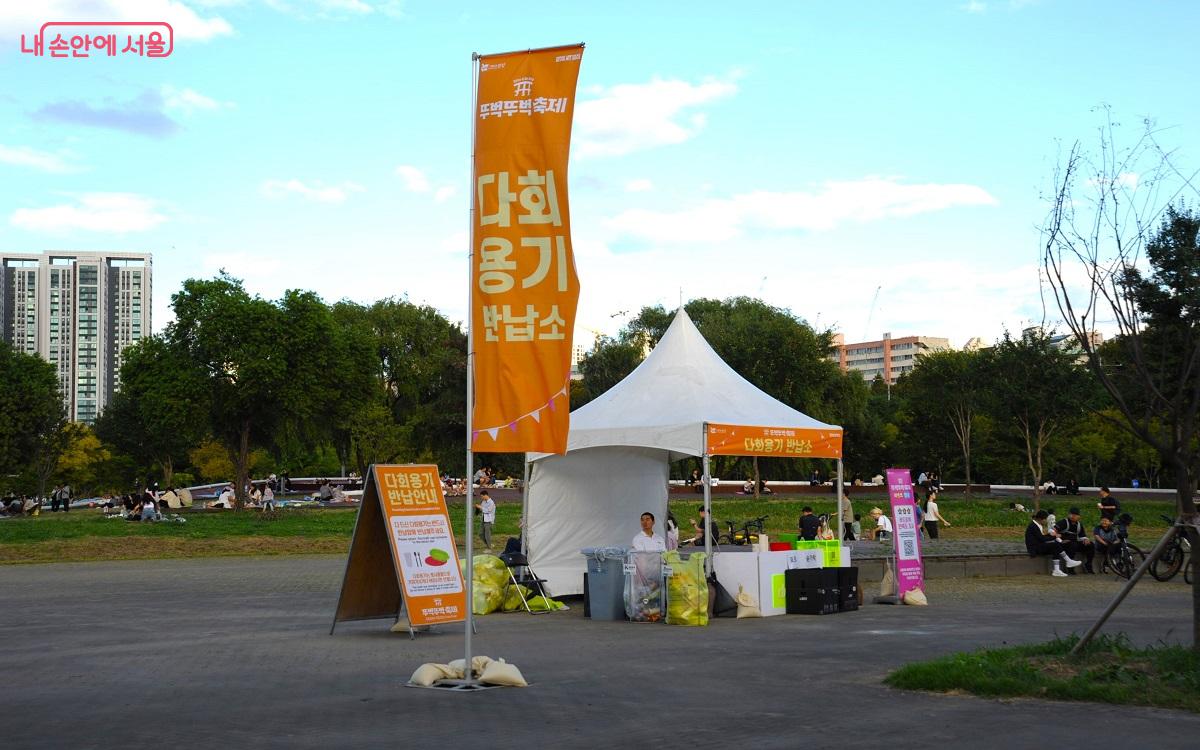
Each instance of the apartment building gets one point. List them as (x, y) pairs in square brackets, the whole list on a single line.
[(888, 358), (78, 311)]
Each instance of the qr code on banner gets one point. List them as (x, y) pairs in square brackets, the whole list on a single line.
[(909, 549)]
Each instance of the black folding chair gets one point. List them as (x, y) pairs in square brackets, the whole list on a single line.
[(521, 576)]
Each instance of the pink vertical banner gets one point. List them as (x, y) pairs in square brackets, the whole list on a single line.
[(909, 570)]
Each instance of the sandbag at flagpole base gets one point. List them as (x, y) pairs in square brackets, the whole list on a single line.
[(887, 587), (486, 673)]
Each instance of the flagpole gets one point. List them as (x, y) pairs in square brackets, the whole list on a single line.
[(468, 672)]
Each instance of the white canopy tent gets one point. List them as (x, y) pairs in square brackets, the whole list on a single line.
[(621, 444)]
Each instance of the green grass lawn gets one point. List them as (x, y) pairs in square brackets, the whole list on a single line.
[(1109, 670), (85, 534)]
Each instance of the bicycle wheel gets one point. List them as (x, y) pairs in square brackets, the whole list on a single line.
[(1127, 561), (1168, 563)]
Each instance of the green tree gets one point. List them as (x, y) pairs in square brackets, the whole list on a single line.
[(1093, 443), (607, 364), (82, 455), (1038, 389), (240, 344), (32, 417), (418, 358), (1114, 249), (161, 410), (211, 461), (948, 388)]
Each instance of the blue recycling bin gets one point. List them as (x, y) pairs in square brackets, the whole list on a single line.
[(606, 582)]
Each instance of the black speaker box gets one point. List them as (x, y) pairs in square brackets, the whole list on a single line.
[(811, 591), (848, 588)]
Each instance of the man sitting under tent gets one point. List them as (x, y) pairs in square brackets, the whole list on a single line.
[(646, 540)]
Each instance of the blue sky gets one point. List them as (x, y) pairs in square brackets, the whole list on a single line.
[(807, 153)]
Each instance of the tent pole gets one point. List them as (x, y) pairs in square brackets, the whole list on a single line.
[(522, 526), (841, 492), (708, 562)]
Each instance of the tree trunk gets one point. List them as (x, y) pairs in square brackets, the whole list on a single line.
[(756, 477), (241, 464), (168, 468), (967, 461), (1037, 485)]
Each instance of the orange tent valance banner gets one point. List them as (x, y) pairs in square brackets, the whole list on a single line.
[(780, 442), (524, 289)]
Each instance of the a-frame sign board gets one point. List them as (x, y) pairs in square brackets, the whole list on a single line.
[(403, 550)]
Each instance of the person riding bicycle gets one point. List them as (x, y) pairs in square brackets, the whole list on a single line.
[(1105, 541), (810, 525), (1040, 540), (1070, 529)]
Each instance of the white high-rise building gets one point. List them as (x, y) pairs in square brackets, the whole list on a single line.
[(79, 311)]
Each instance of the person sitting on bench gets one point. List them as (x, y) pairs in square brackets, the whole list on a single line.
[(1040, 541), (698, 540), (883, 525)]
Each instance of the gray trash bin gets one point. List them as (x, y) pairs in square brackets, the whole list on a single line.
[(606, 582)]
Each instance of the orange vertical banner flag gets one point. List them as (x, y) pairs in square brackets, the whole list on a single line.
[(524, 287)]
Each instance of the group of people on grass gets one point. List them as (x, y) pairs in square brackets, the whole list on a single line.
[(1068, 541)]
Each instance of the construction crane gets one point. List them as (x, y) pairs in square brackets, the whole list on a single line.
[(871, 314)]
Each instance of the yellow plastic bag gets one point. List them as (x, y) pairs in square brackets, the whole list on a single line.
[(687, 590), (512, 602), (489, 575)]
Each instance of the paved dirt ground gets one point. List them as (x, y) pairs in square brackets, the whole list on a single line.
[(235, 653)]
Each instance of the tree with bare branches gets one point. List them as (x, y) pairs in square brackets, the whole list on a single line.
[(1121, 248)]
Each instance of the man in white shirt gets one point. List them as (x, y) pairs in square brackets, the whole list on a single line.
[(226, 499), (646, 540), (487, 509)]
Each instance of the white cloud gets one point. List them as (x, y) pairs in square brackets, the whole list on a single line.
[(322, 9), (93, 212), (633, 117), (413, 178), (188, 100), (24, 156), (416, 181), (639, 186), (835, 203), (975, 6), (18, 18), (315, 191)]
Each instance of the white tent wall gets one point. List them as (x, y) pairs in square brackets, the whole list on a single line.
[(590, 498)]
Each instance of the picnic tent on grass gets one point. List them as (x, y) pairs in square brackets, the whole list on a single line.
[(683, 400)]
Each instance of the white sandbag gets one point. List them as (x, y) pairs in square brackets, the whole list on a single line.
[(500, 672)]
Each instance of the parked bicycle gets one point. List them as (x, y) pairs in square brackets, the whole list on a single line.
[(1126, 558), (1173, 558), (747, 533)]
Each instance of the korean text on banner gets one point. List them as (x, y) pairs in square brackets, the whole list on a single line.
[(792, 442), (909, 570), (524, 287), (422, 543)]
